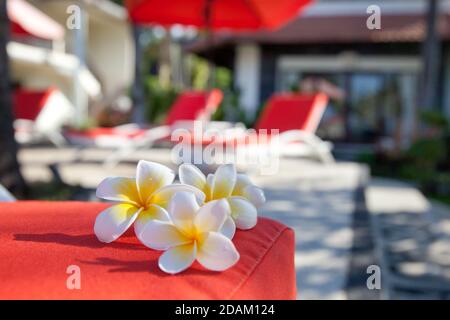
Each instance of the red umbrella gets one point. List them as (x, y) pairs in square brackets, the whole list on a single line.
[(216, 14)]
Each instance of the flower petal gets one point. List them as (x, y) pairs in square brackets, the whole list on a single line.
[(161, 235), (255, 195), (153, 212), (191, 175), (228, 228), (208, 187), (182, 210), (224, 181), (162, 196), (242, 181), (245, 188), (243, 212), (178, 259), (212, 216), (217, 252), (151, 176), (118, 189), (111, 223)]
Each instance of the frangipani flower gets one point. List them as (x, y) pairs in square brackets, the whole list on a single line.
[(141, 199), (242, 196), (191, 234)]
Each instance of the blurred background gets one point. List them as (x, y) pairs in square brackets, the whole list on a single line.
[(384, 65)]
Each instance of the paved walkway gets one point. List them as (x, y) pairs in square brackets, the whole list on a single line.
[(412, 237), (318, 202)]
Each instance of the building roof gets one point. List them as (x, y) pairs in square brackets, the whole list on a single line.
[(346, 22)]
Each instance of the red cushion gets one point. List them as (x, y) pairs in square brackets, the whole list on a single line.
[(193, 105), (98, 132), (293, 111), (29, 103), (39, 240)]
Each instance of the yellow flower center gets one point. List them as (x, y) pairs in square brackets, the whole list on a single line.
[(195, 235)]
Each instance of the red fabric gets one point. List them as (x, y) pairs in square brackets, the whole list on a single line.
[(18, 30), (225, 14), (39, 240), (194, 105), (94, 133), (29, 103), (293, 111), (26, 20)]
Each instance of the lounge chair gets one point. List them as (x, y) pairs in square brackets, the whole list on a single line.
[(189, 107), (40, 115), (295, 116)]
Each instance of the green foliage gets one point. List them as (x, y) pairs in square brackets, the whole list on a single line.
[(223, 78), (414, 172), (421, 163), (229, 110), (427, 151), (199, 73), (434, 119), (158, 99), (426, 163)]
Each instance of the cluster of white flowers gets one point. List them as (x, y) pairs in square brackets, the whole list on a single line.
[(192, 220)]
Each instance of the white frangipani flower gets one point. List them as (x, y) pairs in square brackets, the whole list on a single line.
[(242, 195), (191, 234), (141, 199)]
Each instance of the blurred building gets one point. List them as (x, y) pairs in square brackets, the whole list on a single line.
[(85, 48), (374, 72)]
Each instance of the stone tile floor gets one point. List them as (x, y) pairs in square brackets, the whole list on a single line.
[(412, 238)]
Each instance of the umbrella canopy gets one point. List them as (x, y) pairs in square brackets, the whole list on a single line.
[(235, 15)]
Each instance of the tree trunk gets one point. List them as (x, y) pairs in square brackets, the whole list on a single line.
[(10, 175), (431, 54), (138, 85)]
